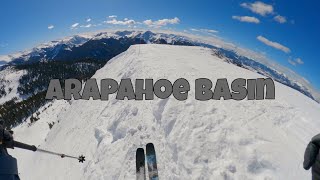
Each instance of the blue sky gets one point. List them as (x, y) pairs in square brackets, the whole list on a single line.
[(285, 31)]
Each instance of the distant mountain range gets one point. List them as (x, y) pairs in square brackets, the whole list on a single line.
[(103, 46)]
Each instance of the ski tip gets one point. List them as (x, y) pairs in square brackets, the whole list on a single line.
[(140, 153), (140, 150), (150, 145)]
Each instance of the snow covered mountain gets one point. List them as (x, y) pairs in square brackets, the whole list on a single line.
[(92, 45), (102, 46), (193, 139)]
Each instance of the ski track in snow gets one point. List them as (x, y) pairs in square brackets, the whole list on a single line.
[(227, 140)]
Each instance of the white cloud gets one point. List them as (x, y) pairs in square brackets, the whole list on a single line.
[(148, 22), (248, 19), (192, 29), (112, 16), (74, 26), (50, 26), (299, 61), (161, 22), (292, 62), (296, 61), (273, 44), (86, 26), (280, 19), (259, 7), (204, 30), (119, 22), (210, 30), (89, 19)]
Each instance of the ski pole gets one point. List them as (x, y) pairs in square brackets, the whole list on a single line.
[(17, 144), (80, 158)]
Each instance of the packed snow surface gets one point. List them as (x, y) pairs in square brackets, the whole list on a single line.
[(213, 139)]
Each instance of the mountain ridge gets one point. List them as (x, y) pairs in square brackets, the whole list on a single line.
[(107, 44)]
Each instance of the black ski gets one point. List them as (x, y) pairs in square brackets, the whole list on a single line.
[(152, 162), (140, 164)]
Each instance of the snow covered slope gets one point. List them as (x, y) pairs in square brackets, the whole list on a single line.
[(193, 139), (9, 82)]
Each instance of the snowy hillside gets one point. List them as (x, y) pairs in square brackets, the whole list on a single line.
[(9, 82), (193, 139)]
